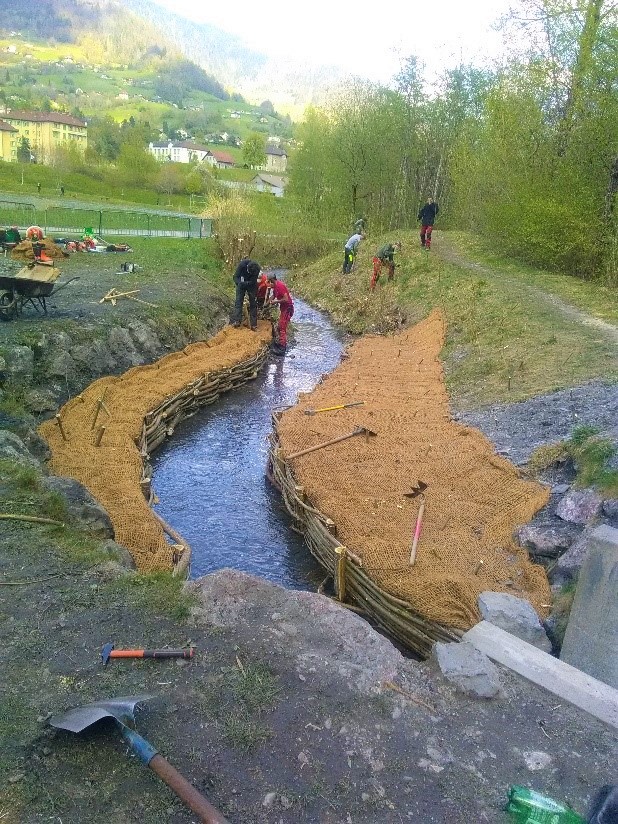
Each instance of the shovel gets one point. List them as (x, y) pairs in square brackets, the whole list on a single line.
[(122, 710)]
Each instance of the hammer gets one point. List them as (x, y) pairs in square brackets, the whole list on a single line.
[(108, 652)]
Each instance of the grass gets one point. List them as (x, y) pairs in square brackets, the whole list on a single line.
[(501, 346), (590, 454), (159, 592)]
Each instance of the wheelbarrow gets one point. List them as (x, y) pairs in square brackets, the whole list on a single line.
[(31, 285)]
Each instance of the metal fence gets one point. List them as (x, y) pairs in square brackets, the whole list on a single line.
[(75, 221)]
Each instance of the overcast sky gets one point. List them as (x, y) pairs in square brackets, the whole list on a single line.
[(365, 40)]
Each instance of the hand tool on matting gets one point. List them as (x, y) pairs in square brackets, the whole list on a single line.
[(108, 652), (122, 711), (417, 489), (333, 408), (360, 430)]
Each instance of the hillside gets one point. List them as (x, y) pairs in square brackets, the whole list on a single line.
[(135, 30)]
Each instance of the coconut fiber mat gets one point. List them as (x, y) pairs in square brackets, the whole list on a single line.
[(112, 471), (474, 499)]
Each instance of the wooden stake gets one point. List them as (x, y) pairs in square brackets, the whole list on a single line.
[(341, 553), (417, 531), (100, 434), (60, 427), (100, 405)]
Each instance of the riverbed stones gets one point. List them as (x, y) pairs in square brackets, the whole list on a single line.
[(469, 670), (19, 364), (547, 541), (12, 448), (579, 506), (330, 645), (514, 615), (82, 508)]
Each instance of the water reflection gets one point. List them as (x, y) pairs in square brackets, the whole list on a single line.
[(210, 476)]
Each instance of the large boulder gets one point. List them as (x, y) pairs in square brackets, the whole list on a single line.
[(19, 364), (95, 357), (567, 567), (514, 615), (547, 541), (579, 506), (469, 670), (610, 509), (118, 553), (61, 365), (123, 349), (41, 400), (12, 448), (60, 340), (82, 508), (145, 339)]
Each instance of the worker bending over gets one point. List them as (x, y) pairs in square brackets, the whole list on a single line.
[(349, 252), (280, 294), (385, 256)]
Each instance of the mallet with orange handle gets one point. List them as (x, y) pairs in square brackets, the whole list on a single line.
[(108, 652)]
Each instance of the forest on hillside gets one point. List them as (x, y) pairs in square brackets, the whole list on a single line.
[(526, 154)]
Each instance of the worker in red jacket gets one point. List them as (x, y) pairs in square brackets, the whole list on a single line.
[(280, 294)]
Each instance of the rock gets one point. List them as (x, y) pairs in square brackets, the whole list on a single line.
[(610, 509), (40, 400), (560, 489), (329, 644), (579, 505), (94, 357), (34, 443), (2, 365), (546, 541), (567, 567), (269, 799), (536, 760), (19, 361), (13, 448), (514, 615), (122, 348), (469, 670), (60, 340), (61, 365), (82, 508), (145, 339), (118, 553)]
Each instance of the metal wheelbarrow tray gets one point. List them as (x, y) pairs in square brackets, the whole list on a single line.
[(33, 284)]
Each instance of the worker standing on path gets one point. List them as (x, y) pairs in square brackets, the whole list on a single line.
[(385, 256), (245, 278), (427, 215), (281, 295), (349, 252)]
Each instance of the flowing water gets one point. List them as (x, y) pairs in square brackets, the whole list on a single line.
[(210, 477)]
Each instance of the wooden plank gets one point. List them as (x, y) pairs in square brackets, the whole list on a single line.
[(567, 682)]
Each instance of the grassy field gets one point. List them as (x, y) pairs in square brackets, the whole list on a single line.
[(502, 344)]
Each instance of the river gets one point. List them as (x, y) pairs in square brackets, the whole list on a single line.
[(210, 477)]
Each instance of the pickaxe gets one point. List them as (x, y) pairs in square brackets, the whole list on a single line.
[(333, 408), (122, 711), (418, 489), (108, 652), (360, 430)]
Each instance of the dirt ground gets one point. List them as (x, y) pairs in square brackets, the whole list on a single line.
[(281, 717)]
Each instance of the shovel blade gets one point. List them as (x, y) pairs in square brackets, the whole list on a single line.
[(120, 709)]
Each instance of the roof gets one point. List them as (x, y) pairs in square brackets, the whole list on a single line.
[(6, 127), (46, 117), (272, 180), (275, 150), (192, 146), (223, 157)]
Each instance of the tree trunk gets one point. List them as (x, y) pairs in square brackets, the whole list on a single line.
[(610, 194)]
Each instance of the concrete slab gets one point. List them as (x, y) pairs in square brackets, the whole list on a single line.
[(563, 680), (591, 638)]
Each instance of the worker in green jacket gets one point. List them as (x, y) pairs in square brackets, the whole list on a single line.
[(385, 256)]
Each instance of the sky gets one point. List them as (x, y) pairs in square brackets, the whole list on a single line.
[(365, 40)]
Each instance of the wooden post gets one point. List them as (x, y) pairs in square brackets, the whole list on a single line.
[(61, 428), (100, 434), (341, 553)]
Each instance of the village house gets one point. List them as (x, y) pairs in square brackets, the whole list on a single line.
[(276, 159), (8, 141), (273, 184), (185, 152), (47, 131), (223, 160)]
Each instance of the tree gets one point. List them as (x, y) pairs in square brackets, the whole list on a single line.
[(136, 166), (267, 107), (254, 149), (24, 151), (170, 179)]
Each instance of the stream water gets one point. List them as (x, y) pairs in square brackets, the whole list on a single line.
[(210, 477)]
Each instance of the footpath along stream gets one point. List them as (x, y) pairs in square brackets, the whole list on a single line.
[(210, 477)]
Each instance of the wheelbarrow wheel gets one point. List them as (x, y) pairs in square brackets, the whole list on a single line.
[(8, 305)]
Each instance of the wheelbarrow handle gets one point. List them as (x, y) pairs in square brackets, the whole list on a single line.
[(187, 793)]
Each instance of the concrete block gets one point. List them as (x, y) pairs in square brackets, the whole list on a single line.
[(514, 615), (591, 638), (561, 679)]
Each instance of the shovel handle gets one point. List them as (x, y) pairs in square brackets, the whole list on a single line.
[(187, 793)]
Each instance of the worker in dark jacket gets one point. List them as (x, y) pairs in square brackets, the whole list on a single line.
[(427, 215), (246, 278), (385, 256)]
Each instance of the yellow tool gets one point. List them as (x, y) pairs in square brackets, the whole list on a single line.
[(332, 408)]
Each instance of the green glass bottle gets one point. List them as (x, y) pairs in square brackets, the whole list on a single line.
[(529, 807)]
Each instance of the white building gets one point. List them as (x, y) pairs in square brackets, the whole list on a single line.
[(185, 152)]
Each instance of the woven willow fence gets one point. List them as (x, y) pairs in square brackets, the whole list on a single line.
[(351, 582)]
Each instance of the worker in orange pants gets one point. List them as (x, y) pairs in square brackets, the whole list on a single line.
[(385, 256), (280, 294)]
